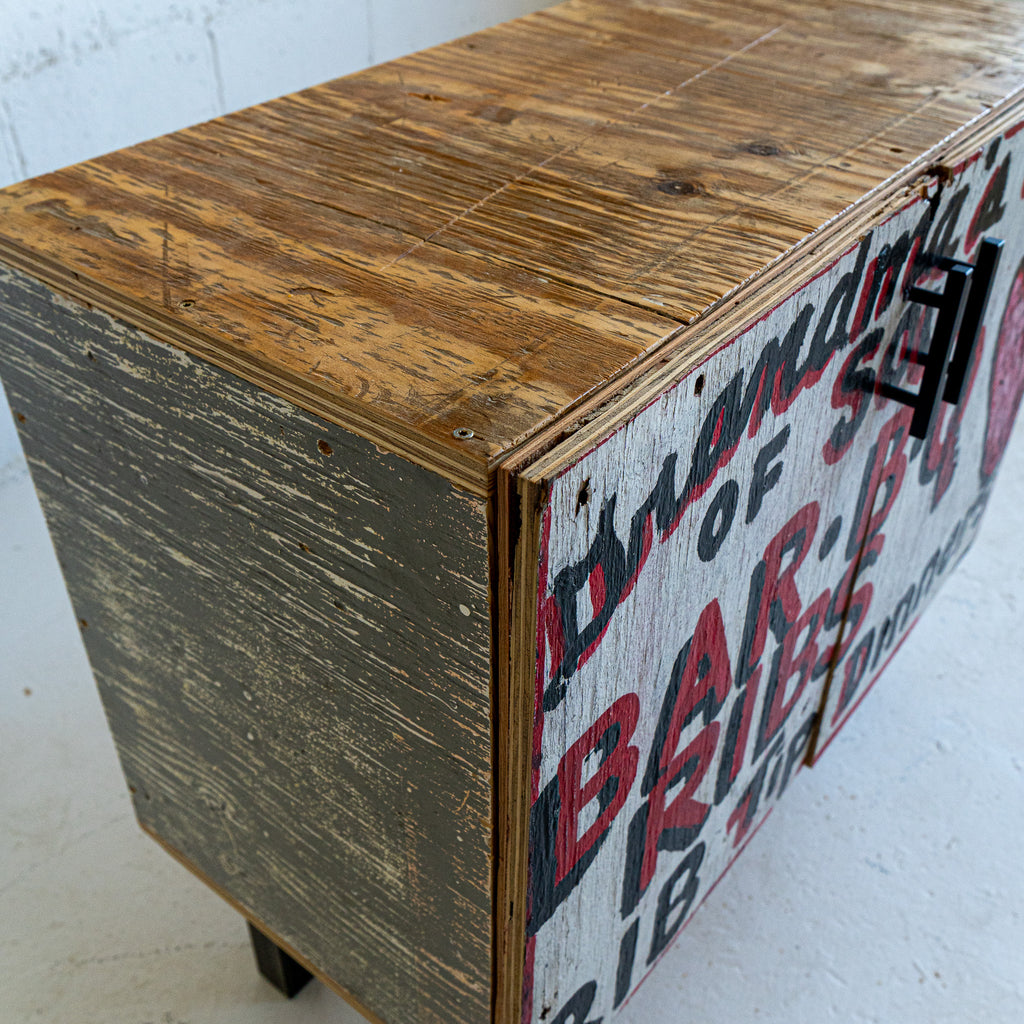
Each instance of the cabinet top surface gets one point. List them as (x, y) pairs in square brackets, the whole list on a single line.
[(473, 239)]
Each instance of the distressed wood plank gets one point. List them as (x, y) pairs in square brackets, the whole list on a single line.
[(565, 444), (487, 234), (687, 608), (709, 181), (212, 276), (608, 408), (291, 634)]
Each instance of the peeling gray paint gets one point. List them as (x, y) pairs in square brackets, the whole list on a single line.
[(275, 614)]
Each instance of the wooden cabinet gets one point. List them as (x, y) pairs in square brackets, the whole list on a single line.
[(485, 481)]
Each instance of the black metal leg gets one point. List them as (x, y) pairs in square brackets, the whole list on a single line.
[(283, 972)]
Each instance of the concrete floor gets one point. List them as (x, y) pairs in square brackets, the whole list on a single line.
[(887, 887)]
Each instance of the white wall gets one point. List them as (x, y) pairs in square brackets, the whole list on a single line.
[(83, 77)]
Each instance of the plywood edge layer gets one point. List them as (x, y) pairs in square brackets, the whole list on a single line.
[(521, 505), (559, 444), (257, 923)]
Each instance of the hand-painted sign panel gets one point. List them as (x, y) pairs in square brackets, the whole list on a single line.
[(929, 493), (744, 550)]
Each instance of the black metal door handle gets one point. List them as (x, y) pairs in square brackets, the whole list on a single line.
[(989, 252), (951, 303), (961, 305)]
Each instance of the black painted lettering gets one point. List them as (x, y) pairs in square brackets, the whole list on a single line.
[(766, 472), (578, 1007), (718, 520), (670, 902), (627, 956)]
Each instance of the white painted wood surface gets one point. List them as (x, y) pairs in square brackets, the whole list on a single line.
[(929, 495), (699, 568)]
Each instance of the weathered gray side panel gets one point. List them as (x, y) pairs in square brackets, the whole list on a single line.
[(290, 633)]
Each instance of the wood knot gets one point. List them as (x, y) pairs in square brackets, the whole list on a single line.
[(942, 172), (679, 187), (499, 115), (762, 148)]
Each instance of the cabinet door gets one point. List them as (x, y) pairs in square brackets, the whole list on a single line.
[(696, 587), (927, 494)]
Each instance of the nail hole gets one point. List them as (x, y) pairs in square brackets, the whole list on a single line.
[(462, 433), (187, 303), (584, 496), (325, 448), (698, 385), (90, 356)]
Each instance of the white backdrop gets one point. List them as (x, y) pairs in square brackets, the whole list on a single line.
[(82, 77)]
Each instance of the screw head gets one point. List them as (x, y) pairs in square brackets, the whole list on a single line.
[(462, 433)]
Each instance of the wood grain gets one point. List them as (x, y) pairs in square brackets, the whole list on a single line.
[(484, 235), (290, 632), (564, 441), (534, 465)]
